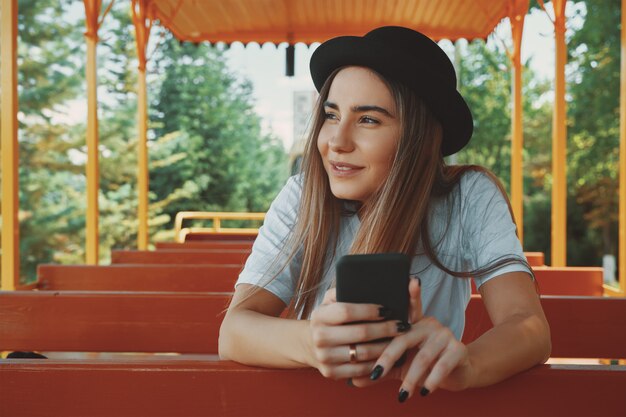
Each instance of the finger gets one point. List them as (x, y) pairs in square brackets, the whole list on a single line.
[(330, 296), (348, 370), (424, 360), (394, 351), (342, 313), (450, 359), (416, 337), (365, 352), (415, 301), (364, 381), (356, 333)]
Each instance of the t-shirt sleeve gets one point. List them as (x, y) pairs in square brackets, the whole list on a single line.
[(490, 233), (266, 266)]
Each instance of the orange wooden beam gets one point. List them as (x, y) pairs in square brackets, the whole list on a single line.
[(10, 272), (208, 388), (176, 256)]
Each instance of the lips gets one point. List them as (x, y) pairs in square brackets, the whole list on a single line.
[(343, 169)]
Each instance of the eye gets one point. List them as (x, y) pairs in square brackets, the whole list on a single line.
[(330, 116), (369, 120)]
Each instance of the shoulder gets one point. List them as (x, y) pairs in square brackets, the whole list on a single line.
[(478, 181), (289, 195)]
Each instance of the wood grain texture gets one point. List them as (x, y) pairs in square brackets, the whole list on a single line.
[(205, 388), (136, 277), (174, 256)]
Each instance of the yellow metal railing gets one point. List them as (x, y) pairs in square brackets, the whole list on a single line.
[(216, 218)]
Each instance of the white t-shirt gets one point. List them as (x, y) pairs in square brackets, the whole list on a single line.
[(469, 229)]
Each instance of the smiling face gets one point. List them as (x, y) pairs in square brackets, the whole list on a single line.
[(360, 134)]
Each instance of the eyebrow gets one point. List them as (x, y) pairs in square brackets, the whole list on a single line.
[(361, 109)]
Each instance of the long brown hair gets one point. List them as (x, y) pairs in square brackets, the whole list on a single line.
[(417, 176)]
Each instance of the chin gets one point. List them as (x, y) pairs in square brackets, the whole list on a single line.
[(346, 193)]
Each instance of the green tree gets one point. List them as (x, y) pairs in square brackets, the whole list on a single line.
[(593, 123), (485, 79), (221, 160)]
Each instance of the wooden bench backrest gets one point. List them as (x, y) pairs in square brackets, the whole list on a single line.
[(228, 244), (205, 388), (174, 256), (570, 280), (203, 237), (110, 321), (582, 327), (535, 258), (135, 277)]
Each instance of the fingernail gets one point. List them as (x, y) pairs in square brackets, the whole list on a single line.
[(403, 395), (403, 326), (384, 312), (419, 281), (349, 382), (376, 373), (424, 392)]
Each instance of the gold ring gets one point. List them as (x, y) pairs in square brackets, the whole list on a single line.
[(353, 354)]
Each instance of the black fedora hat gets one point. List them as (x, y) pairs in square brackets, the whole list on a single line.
[(411, 58)]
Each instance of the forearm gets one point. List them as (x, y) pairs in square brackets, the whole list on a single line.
[(517, 344), (257, 339)]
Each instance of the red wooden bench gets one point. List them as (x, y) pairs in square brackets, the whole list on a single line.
[(582, 327), (535, 258), (217, 278), (175, 256), (201, 236), (208, 388), (135, 277), (569, 280), (110, 321), (209, 244)]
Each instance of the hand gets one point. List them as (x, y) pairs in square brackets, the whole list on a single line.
[(331, 335), (436, 358)]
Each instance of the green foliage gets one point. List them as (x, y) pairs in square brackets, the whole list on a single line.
[(593, 116), (220, 160), (241, 168), (208, 152)]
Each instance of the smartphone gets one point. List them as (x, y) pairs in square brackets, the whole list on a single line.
[(381, 278)]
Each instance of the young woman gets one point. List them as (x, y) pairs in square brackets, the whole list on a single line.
[(374, 181)]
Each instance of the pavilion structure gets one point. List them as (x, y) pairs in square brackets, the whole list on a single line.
[(294, 21)]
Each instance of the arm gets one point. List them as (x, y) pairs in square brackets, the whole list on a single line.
[(253, 334), (520, 337)]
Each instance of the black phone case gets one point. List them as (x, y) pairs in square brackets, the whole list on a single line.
[(376, 279)]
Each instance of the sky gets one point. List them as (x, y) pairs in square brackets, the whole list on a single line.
[(273, 91)]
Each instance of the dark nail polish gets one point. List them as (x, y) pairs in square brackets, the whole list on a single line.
[(349, 382), (424, 392), (403, 395), (385, 312), (376, 373), (403, 326)]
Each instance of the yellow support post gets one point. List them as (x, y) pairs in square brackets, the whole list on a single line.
[(92, 11), (10, 150), (622, 159), (142, 152), (142, 24), (516, 17), (559, 142)]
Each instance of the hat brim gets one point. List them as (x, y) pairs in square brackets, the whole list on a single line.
[(445, 103)]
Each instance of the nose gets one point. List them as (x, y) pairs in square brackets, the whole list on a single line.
[(341, 138)]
